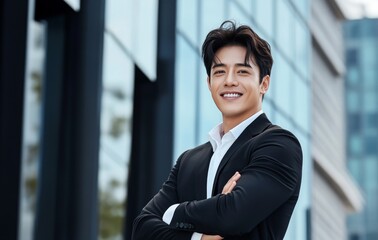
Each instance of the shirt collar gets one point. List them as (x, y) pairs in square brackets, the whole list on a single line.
[(215, 136)]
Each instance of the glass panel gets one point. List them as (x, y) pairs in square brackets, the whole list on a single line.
[(369, 78), (371, 122), (371, 144), (302, 46), (31, 128), (246, 5), (354, 122), (285, 30), (116, 122), (368, 53), (213, 13), (302, 107), (134, 23), (355, 145), (236, 13), (371, 170), (353, 77), (303, 7), (284, 122), (265, 16), (352, 57), (370, 101), (353, 102), (185, 97), (282, 82), (354, 165), (187, 19)]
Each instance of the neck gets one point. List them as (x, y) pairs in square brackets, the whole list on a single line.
[(230, 123)]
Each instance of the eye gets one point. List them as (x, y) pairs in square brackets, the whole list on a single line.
[(243, 71), (218, 72)]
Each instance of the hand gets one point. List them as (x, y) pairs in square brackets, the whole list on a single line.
[(231, 183), (211, 237)]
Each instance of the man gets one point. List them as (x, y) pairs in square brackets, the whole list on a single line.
[(244, 182)]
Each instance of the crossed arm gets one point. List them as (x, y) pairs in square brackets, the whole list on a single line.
[(266, 183), (162, 230), (226, 190)]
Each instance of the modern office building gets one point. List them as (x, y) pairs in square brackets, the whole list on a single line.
[(361, 37), (116, 90), (334, 192)]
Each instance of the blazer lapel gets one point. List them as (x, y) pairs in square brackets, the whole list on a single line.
[(256, 127)]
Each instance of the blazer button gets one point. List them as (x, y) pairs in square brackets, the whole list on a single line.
[(181, 225)]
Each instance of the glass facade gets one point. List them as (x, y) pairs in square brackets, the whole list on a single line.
[(284, 25), (362, 117), (130, 41), (31, 129)]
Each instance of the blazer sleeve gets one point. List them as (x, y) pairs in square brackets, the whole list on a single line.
[(149, 224), (268, 181)]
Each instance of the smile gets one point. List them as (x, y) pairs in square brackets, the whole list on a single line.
[(231, 95)]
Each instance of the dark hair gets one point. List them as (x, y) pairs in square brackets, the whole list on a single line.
[(229, 34)]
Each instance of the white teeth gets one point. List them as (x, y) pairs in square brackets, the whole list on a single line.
[(231, 95)]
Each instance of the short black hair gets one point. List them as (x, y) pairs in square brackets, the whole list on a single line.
[(229, 34)]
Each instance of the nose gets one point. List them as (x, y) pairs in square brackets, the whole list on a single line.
[(230, 80)]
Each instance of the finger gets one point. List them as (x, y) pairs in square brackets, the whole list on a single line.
[(234, 178), (211, 237), (231, 183), (229, 188)]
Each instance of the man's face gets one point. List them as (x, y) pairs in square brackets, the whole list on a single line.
[(235, 86)]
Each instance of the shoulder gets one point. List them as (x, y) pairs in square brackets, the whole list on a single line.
[(277, 133), (275, 140), (200, 150)]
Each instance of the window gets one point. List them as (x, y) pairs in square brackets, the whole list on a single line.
[(186, 95), (265, 16), (285, 30), (353, 78), (353, 102), (282, 82), (354, 122), (302, 108), (187, 19), (302, 48), (371, 145), (370, 100)]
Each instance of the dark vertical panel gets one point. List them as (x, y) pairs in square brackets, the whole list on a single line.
[(152, 142), (50, 165), (165, 89), (67, 204), (13, 29), (308, 224)]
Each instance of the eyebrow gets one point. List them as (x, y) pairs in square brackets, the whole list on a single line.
[(237, 64)]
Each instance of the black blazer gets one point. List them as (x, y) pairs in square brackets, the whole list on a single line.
[(269, 160)]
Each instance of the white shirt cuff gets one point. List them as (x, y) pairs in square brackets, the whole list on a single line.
[(168, 214), (196, 236)]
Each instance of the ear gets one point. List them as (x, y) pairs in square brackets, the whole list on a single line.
[(208, 83), (264, 86)]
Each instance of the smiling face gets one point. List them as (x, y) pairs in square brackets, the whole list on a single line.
[(235, 85)]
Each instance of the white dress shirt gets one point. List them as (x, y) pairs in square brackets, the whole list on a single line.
[(220, 147)]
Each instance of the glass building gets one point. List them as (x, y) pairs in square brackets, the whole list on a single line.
[(361, 37), (113, 91)]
